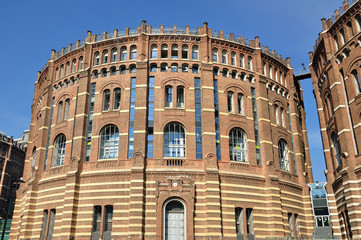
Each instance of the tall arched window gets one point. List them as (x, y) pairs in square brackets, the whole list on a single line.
[(169, 96), (96, 59), (154, 51), (67, 71), (133, 52), (250, 63), (60, 111), (180, 96), (105, 56), (195, 52), (123, 54), (62, 71), (282, 117), (276, 115), (233, 58), (59, 150), (238, 145), (73, 68), (230, 101), (239, 223), (336, 42), (240, 103), (336, 149), (241, 60), (358, 21), (56, 73), (66, 110), (81, 61), (164, 51), (350, 29), (356, 81), (116, 104), (106, 100), (114, 54), (214, 55), (109, 142), (33, 160), (224, 56), (184, 52), (174, 52), (283, 155), (174, 220), (174, 140), (276, 75), (343, 38)]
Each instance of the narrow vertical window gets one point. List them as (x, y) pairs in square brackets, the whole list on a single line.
[(106, 99), (276, 75), (60, 111), (283, 155), (336, 149), (105, 57), (66, 110), (215, 55), (230, 102), (73, 66), (195, 52), (44, 225), (250, 226), (131, 117), (96, 59), (233, 58), (270, 72), (97, 216), (114, 54), (168, 96), (109, 142), (198, 108), (180, 96), (255, 123), (224, 56), (239, 223), (241, 60), (174, 52), (356, 81), (240, 103), (276, 115), (108, 222), (116, 104), (216, 118), (290, 223), (164, 51), (184, 52), (297, 227), (154, 51), (56, 73), (250, 63), (67, 71), (238, 145), (282, 117), (358, 21), (350, 29), (33, 160), (59, 150), (90, 122), (293, 145), (51, 223), (123, 54), (343, 38), (62, 71), (150, 118), (80, 63), (264, 66), (48, 135), (336, 42), (133, 52)]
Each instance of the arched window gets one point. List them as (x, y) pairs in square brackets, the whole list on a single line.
[(224, 56), (276, 75), (283, 155), (270, 72), (73, 68), (60, 111), (230, 101), (356, 81), (114, 54), (106, 100), (336, 42), (56, 73), (116, 104), (343, 38), (105, 57), (123, 54), (174, 52), (329, 106), (215, 55), (241, 60), (169, 96), (215, 71), (184, 52), (133, 52), (113, 71), (67, 71), (233, 58), (174, 220), (154, 51), (276, 115), (104, 72), (163, 67), (264, 67), (66, 110), (62, 71), (132, 68), (185, 67), (174, 140), (238, 145), (225, 72), (239, 223), (240, 103), (33, 160), (282, 117), (281, 79), (234, 74), (250, 63), (350, 29), (96, 59), (336, 149), (180, 96), (358, 21), (122, 69), (80, 63), (195, 52), (95, 74), (195, 68), (109, 142), (59, 150), (164, 51), (174, 67), (153, 67)]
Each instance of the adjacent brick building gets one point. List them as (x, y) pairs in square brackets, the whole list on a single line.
[(157, 133), (335, 68)]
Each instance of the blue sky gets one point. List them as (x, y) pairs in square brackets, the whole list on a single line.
[(30, 29)]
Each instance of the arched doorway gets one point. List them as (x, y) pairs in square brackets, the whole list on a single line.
[(174, 220)]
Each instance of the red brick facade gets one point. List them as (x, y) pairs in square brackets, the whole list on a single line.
[(335, 69), (138, 188)]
